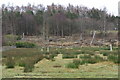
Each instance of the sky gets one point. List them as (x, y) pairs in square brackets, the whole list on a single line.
[(111, 5)]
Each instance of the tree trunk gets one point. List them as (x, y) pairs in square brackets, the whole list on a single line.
[(93, 38)]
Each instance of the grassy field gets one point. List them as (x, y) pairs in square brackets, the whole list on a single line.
[(54, 64)]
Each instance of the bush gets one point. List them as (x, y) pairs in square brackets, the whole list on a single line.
[(72, 65), (69, 56), (9, 40), (9, 43), (10, 62), (57, 66), (79, 62), (76, 61), (87, 52), (55, 52), (18, 38), (85, 57), (105, 53), (25, 45), (115, 48), (76, 52), (28, 62), (35, 59), (50, 56), (113, 58), (104, 48), (28, 67), (85, 61), (22, 64), (98, 58), (89, 59)]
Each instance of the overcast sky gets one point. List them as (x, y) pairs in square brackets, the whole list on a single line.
[(111, 5)]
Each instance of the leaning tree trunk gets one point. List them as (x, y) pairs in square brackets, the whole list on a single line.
[(93, 38)]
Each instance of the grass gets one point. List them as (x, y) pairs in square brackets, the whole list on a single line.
[(30, 61), (45, 69)]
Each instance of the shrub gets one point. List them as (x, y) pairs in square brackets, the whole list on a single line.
[(57, 66), (90, 49), (79, 62), (95, 59), (10, 62), (9, 43), (76, 52), (85, 61), (115, 48), (105, 53), (72, 65), (87, 52), (113, 58), (89, 59), (25, 45), (18, 38), (50, 56), (85, 57), (69, 56), (104, 48), (28, 67), (98, 58), (10, 39), (22, 64), (55, 52), (76, 61), (37, 58), (30, 61)]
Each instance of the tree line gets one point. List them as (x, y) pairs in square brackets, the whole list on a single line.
[(55, 20)]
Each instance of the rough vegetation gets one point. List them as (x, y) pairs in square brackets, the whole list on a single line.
[(55, 39)]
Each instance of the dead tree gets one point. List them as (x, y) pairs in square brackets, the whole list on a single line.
[(93, 38)]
